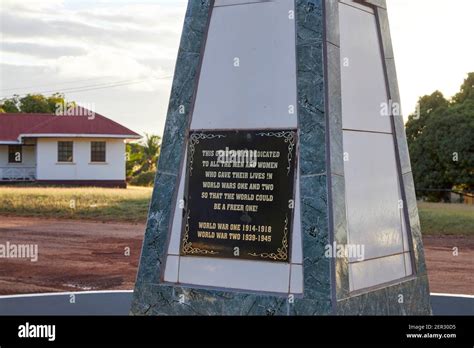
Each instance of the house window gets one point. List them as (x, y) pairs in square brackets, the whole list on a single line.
[(15, 154), (65, 151), (98, 151)]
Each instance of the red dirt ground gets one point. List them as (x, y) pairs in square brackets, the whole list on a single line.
[(73, 255), (79, 256)]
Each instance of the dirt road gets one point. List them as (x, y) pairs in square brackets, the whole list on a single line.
[(450, 273), (77, 255), (73, 255)]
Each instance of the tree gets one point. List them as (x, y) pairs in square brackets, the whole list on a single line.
[(34, 103), (151, 147), (467, 91), (142, 157), (134, 153), (10, 105), (441, 141), (427, 104)]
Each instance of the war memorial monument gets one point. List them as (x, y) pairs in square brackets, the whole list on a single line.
[(284, 184)]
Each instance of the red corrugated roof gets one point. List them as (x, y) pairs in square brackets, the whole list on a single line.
[(12, 126)]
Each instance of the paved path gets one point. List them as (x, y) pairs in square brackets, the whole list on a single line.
[(118, 303)]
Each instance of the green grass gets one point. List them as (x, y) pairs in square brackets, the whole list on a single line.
[(98, 204), (446, 219), (131, 205)]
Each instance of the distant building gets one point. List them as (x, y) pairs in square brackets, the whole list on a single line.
[(73, 150)]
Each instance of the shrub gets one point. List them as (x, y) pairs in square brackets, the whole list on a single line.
[(143, 179)]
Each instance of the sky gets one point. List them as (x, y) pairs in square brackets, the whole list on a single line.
[(117, 56)]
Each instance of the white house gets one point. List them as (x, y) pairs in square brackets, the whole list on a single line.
[(63, 150)]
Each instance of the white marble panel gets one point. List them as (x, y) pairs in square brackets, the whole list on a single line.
[(363, 79), (378, 271), (235, 274), (175, 238), (172, 269), (296, 279), (372, 193), (257, 93), (297, 243), (408, 265), (405, 235)]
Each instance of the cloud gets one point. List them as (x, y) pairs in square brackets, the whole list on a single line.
[(16, 26), (104, 61), (31, 6), (120, 39), (42, 51)]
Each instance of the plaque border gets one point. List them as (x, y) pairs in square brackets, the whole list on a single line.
[(290, 136)]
